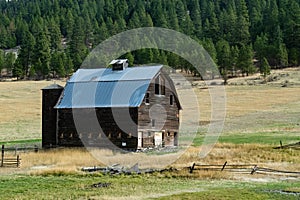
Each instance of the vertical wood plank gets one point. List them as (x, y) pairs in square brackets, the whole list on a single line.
[(2, 155)]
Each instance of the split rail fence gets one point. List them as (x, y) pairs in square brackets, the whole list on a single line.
[(243, 168), (9, 161)]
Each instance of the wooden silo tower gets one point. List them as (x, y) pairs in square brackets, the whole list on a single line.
[(50, 97)]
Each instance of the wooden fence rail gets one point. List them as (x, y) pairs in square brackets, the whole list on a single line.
[(247, 168), (225, 167), (9, 161)]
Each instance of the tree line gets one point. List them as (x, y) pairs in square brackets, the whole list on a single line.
[(242, 36)]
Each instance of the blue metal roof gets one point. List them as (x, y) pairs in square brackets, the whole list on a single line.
[(107, 74), (90, 88)]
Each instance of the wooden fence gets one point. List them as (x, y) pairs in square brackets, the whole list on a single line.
[(242, 168), (246, 168), (9, 161)]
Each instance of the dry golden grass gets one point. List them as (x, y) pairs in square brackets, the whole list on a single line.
[(262, 155), (69, 161), (241, 100), (20, 109)]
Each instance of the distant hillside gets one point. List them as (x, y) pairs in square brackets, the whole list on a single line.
[(242, 36)]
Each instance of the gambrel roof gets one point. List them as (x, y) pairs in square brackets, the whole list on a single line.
[(104, 87)]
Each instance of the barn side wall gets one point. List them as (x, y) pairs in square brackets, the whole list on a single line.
[(168, 127), (118, 128)]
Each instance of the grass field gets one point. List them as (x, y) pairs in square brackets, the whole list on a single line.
[(258, 118), (20, 109), (75, 186)]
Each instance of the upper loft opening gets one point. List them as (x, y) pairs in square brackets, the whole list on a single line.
[(119, 64)]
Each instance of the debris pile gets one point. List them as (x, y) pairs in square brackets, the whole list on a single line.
[(117, 169), (101, 185)]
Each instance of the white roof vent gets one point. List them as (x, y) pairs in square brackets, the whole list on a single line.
[(119, 64)]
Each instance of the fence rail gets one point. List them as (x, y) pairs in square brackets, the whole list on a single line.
[(241, 168)]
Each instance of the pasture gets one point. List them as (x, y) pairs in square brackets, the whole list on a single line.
[(258, 117)]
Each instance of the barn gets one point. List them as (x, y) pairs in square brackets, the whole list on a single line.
[(123, 107)]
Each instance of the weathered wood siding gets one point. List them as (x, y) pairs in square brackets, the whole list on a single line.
[(88, 132), (49, 117), (169, 127)]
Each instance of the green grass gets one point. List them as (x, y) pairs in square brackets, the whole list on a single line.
[(232, 193), (270, 138), (21, 142), (75, 186)]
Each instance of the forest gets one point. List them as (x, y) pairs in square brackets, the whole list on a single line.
[(53, 37)]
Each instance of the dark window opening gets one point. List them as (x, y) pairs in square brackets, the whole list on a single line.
[(160, 88), (156, 85), (153, 122), (171, 100), (147, 100)]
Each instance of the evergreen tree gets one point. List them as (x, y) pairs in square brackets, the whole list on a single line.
[(130, 58), (57, 65), (272, 27), (195, 14), (2, 61), (77, 48), (9, 60), (245, 62), (223, 56), (55, 35), (265, 68), (242, 34), (26, 56), (41, 56)]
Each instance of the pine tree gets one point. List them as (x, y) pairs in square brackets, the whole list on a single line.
[(2, 61), (261, 48), (242, 34), (55, 35), (245, 60), (57, 65), (77, 48), (41, 58), (195, 14), (9, 60), (130, 58), (26, 56), (223, 56), (265, 68), (172, 16)]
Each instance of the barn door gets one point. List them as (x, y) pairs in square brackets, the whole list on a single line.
[(140, 140), (158, 139)]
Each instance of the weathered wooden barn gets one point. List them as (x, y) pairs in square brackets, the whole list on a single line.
[(124, 107)]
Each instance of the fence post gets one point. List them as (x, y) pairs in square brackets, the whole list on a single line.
[(18, 161), (254, 169), (224, 166), (36, 148), (192, 168), (2, 155)]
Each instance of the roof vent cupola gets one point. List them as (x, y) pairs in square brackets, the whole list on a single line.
[(119, 64)]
